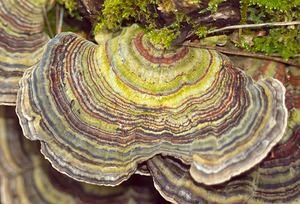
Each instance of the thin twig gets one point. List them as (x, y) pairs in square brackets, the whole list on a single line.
[(278, 55), (47, 22), (259, 25), (245, 54), (60, 17)]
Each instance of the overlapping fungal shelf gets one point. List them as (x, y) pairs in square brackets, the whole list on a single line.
[(27, 178), (100, 110), (259, 69), (21, 42), (275, 180)]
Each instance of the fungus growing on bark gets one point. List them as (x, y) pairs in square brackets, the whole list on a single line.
[(26, 177), (21, 42), (275, 180), (100, 110)]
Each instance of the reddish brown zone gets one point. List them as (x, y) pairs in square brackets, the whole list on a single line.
[(291, 147), (294, 80), (292, 96), (157, 60), (280, 71), (292, 100)]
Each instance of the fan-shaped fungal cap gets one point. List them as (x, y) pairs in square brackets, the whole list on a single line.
[(259, 69), (293, 90), (13, 148), (275, 180), (27, 178), (101, 110), (21, 42)]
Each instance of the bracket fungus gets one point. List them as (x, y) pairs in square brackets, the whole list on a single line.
[(100, 110), (275, 180), (21, 42), (26, 177)]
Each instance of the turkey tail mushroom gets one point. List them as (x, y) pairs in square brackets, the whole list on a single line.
[(275, 180), (26, 177), (21, 42), (100, 110)]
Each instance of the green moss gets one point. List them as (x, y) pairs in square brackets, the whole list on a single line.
[(70, 5), (255, 15), (98, 27), (167, 35), (201, 31), (163, 37), (115, 12), (213, 4), (244, 11), (282, 5), (282, 41)]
